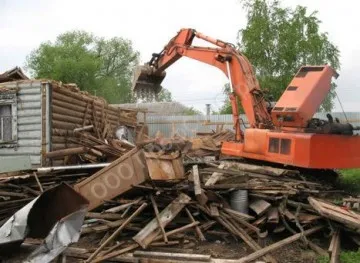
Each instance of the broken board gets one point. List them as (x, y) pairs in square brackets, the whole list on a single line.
[(336, 213)]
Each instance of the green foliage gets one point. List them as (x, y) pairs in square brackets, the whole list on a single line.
[(100, 66), (163, 96), (192, 111), (345, 257), (350, 257), (226, 108), (350, 180), (278, 41)]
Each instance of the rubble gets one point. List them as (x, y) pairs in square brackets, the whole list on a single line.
[(142, 206)]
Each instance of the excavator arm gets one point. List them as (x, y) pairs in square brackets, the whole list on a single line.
[(225, 57)]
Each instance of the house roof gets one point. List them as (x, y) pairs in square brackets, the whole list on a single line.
[(13, 74)]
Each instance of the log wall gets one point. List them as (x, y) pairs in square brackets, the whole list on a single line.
[(72, 108)]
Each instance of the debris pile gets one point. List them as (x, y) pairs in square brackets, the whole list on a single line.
[(155, 203), (209, 144)]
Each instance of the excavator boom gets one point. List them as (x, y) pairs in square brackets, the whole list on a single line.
[(232, 63)]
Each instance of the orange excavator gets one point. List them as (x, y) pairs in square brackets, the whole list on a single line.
[(286, 133)]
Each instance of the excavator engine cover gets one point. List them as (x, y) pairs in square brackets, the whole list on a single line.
[(146, 84), (303, 97)]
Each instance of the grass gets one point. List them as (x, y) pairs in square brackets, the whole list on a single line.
[(345, 257), (349, 181)]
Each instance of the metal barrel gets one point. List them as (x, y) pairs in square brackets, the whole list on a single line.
[(239, 201)]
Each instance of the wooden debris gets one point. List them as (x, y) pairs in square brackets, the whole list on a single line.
[(156, 210), (172, 256), (197, 228), (278, 245), (165, 166), (239, 214), (115, 253), (215, 176), (336, 213), (266, 170), (273, 215), (334, 248), (199, 192), (259, 206), (152, 229), (214, 211), (38, 182), (190, 211), (117, 232)]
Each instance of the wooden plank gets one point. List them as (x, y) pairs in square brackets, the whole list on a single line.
[(106, 216), (197, 228), (259, 206), (117, 232), (215, 176), (172, 256), (214, 211), (151, 230), (273, 215), (237, 230), (239, 214), (102, 228), (335, 213), (334, 248), (268, 170), (277, 245), (199, 192), (156, 210)]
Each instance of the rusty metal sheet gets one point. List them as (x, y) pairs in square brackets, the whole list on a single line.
[(56, 215), (130, 169), (65, 232), (165, 166)]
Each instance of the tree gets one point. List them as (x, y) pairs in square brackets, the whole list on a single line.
[(163, 96), (192, 111), (226, 107), (278, 41), (101, 66)]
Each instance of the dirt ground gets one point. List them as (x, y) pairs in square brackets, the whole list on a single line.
[(293, 253)]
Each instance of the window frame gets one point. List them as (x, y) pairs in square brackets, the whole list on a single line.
[(9, 98)]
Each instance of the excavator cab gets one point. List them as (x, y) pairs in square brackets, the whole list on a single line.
[(146, 83)]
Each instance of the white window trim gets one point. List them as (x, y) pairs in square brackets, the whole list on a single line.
[(9, 98)]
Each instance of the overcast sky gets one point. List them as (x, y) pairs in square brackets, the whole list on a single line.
[(151, 23)]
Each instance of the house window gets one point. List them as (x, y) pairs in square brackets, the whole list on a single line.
[(5, 123), (8, 119)]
